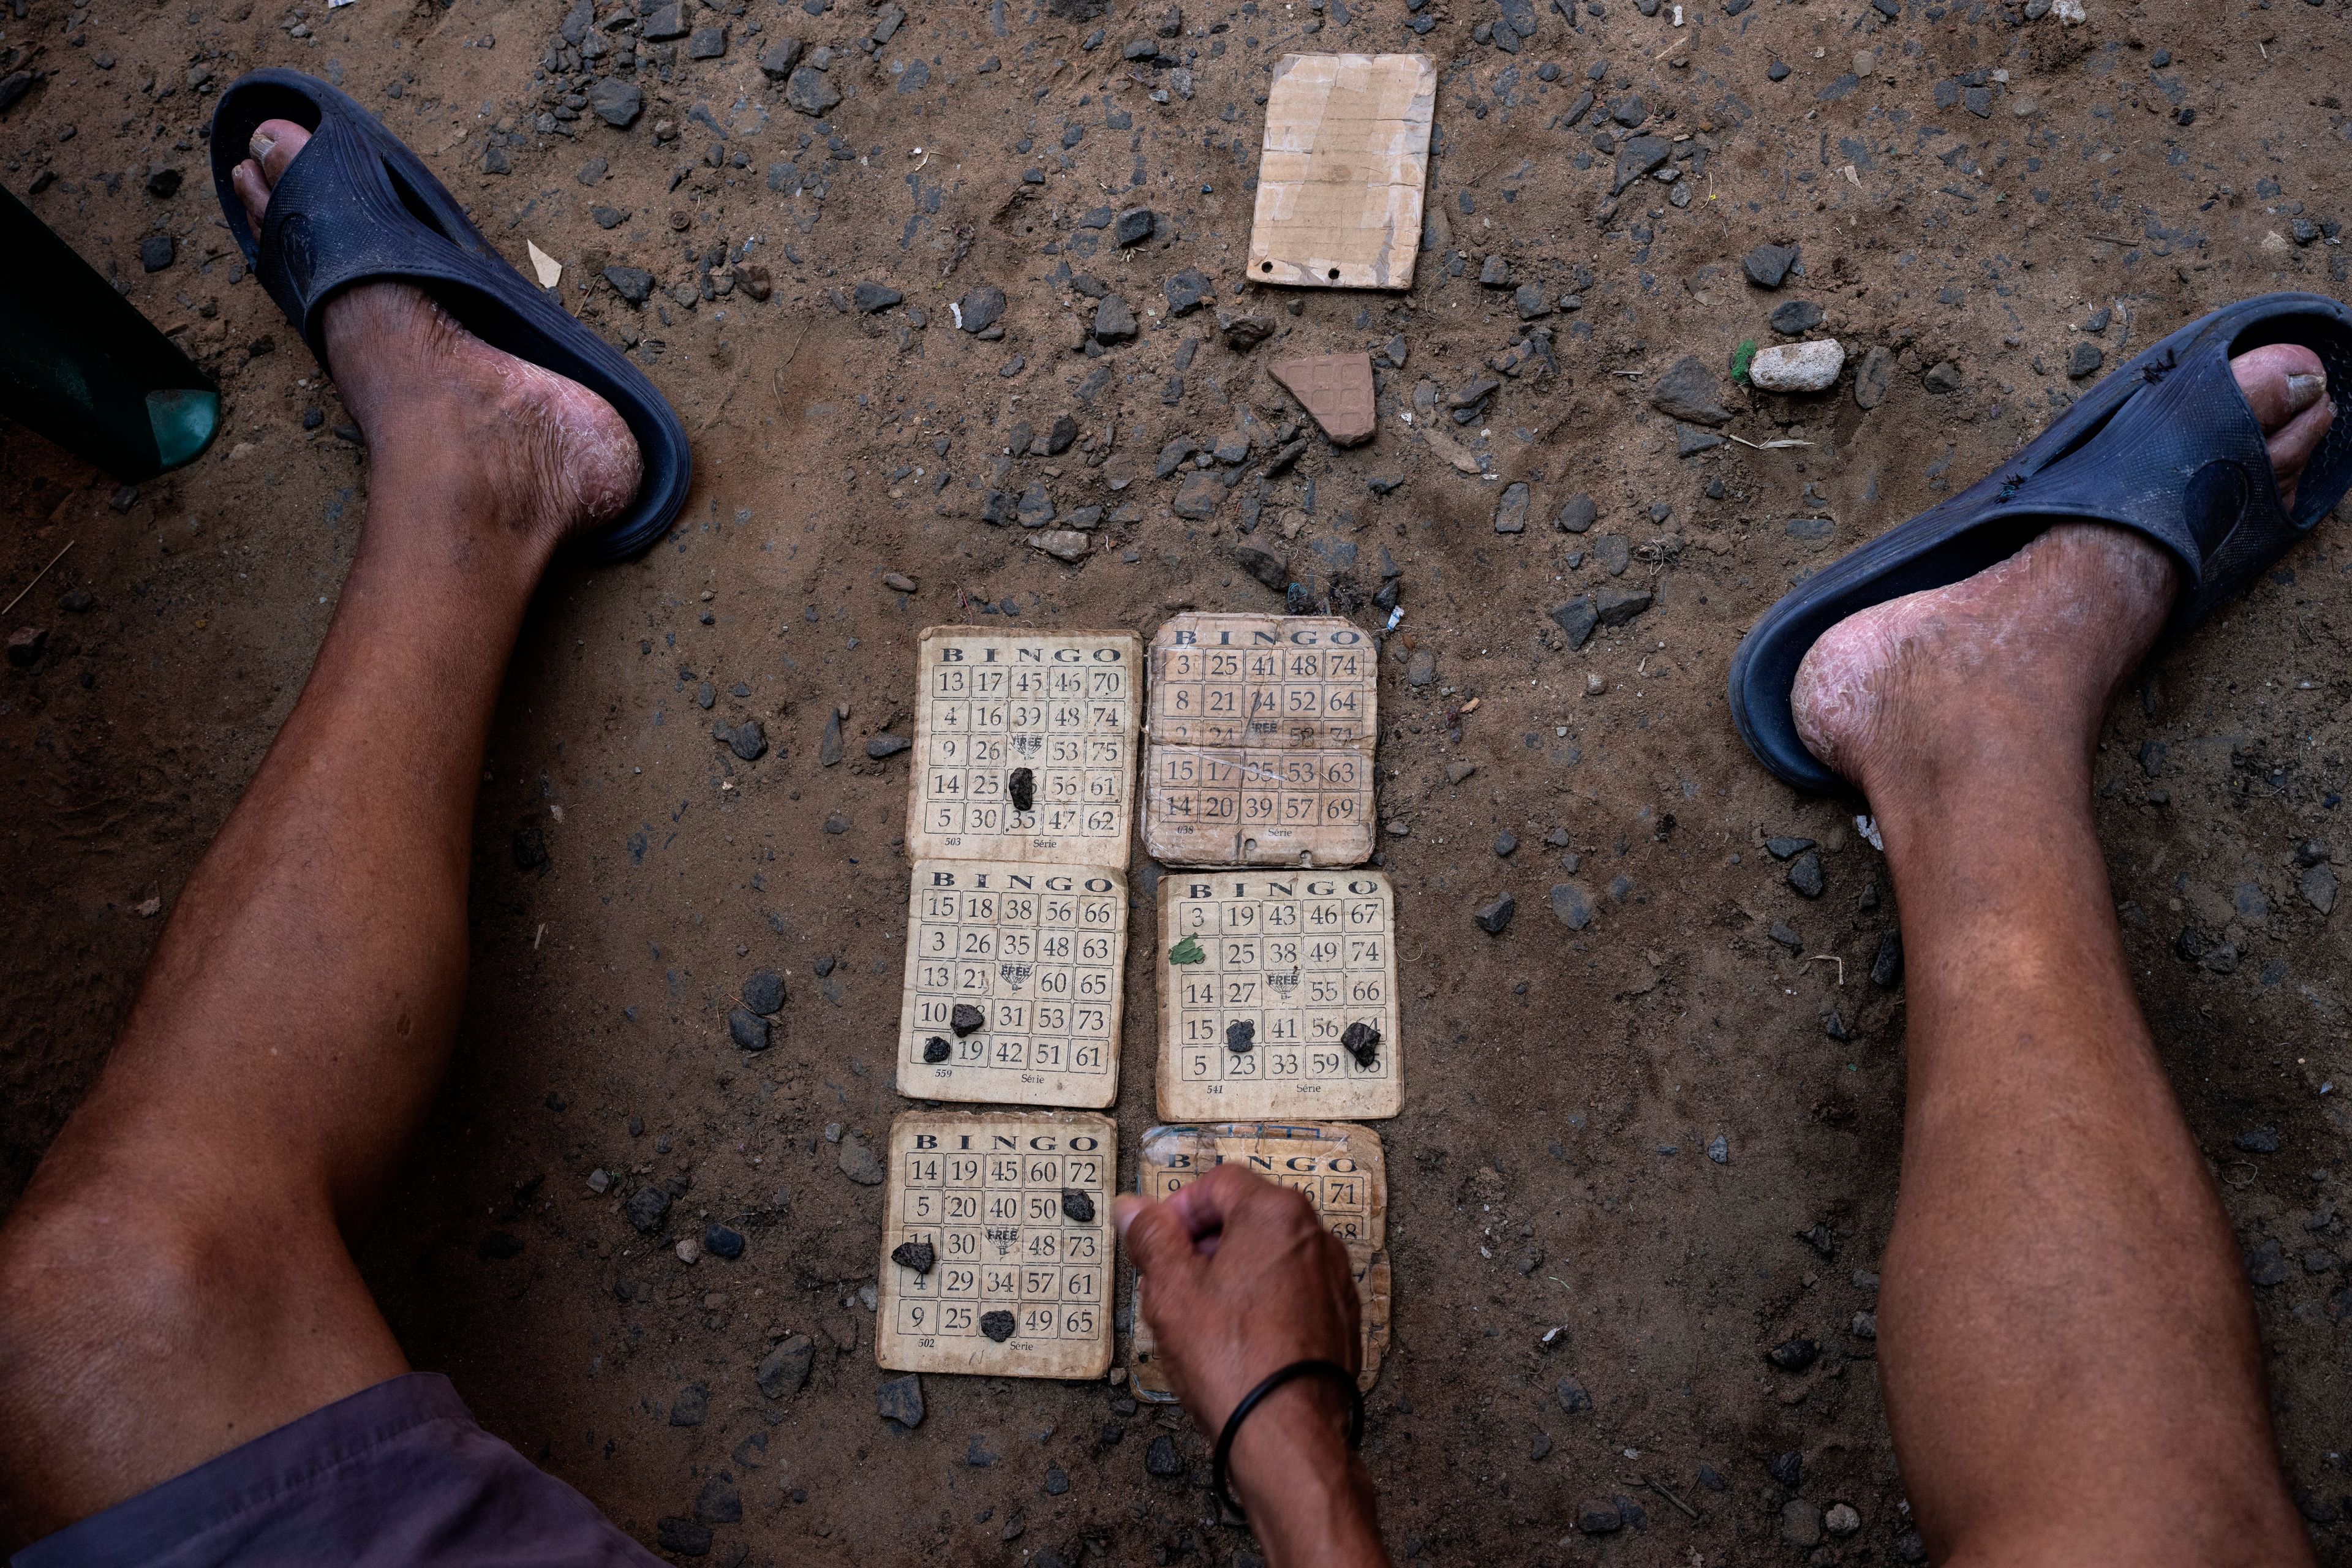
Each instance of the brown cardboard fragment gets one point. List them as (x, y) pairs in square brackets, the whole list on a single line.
[(1341, 173), (1336, 388)]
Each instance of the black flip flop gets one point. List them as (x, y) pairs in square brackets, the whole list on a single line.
[(356, 204), (2165, 446)]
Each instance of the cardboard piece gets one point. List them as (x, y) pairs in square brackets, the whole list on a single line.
[(1343, 1172), (1015, 1208), (1260, 751), (1279, 995), (1336, 389), (1024, 746), (1341, 173), (1035, 955)]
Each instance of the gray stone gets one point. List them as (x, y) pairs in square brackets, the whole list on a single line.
[(1492, 918), (810, 91), (1689, 391), (1201, 493), (1267, 569), (1619, 606), (778, 59), (1796, 318), (1495, 273), (1187, 291), (1573, 904), (2317, 886), (1421, 669), (828, 746), (631, 283), (978, 308), (1062, 543), (1718, 1149), (1801, 1523), (1690, 440), (1114, 322), (882, 744), (901, 1400), (2084, 358), (1577, 514), (1511, 514), (1942, 377), (1577, 618), (1133, 226), (763, 992), (1614, 553), (1035, 508), (691, 1408), (858, 1161), (747, 1029), (708, 43), (647, 1209), (1870, 377), (616, 102), (786, 1369), (1805, 874), (1768, 264), (1637, 156), (871, 297)]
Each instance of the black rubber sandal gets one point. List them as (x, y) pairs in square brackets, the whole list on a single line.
[(356, 204), (2166, 446)]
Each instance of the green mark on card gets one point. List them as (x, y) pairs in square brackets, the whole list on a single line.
[(1187, 952)]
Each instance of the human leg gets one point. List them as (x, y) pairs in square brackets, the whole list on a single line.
[(176, 1280), (2066, 1339)]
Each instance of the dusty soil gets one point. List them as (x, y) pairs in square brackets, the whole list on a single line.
[(1551, 1166)]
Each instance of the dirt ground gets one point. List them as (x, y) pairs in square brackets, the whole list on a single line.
[(1966, 187)]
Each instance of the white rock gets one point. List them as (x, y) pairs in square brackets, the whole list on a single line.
[(1840, 1519), (1797, 367), (2070, 12)]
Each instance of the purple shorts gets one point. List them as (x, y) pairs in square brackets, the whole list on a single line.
[(397, 1474)]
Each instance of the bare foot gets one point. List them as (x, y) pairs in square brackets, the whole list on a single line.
[(489, 432), (2022, 659)]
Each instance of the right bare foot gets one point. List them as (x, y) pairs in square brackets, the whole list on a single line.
[(479, 428), (2020, 660)]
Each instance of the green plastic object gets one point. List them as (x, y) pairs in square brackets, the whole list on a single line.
[(82, 365)]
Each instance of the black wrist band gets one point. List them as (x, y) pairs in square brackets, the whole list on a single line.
[(1313, 1367)]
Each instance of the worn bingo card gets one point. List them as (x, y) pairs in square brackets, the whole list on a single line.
[(1261, 741), (996, 1256), (1024, 746), (1339, 1168), (1013, 977), (1280, 996)]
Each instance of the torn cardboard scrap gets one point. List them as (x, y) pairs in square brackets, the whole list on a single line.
[(1336, 389), (1341, 174)]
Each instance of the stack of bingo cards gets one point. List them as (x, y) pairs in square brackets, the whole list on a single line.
[(1279, 1016), (997, 1244)]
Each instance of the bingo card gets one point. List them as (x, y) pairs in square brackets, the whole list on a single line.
[(1261, 741), (1024, 746), (1280, 996), (1341, 1170), (1014, 981), (996, 1253)]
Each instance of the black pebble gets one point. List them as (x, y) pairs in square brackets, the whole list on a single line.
[(915, 1254), (1021, 787), (721, 1242), (764, 992), (966, 1018), (1362, 1042), (1161, 1458), (1078, 1205), (823, 966), (1240, 1036), (1787, 1469), (747, 1029), (936, 1049), (997, 1326), (1794, 1355)]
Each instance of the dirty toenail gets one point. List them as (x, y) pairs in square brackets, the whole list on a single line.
[(261, 143), (2303, 391)]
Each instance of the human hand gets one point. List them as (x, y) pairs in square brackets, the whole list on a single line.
[(1241, 1279)]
